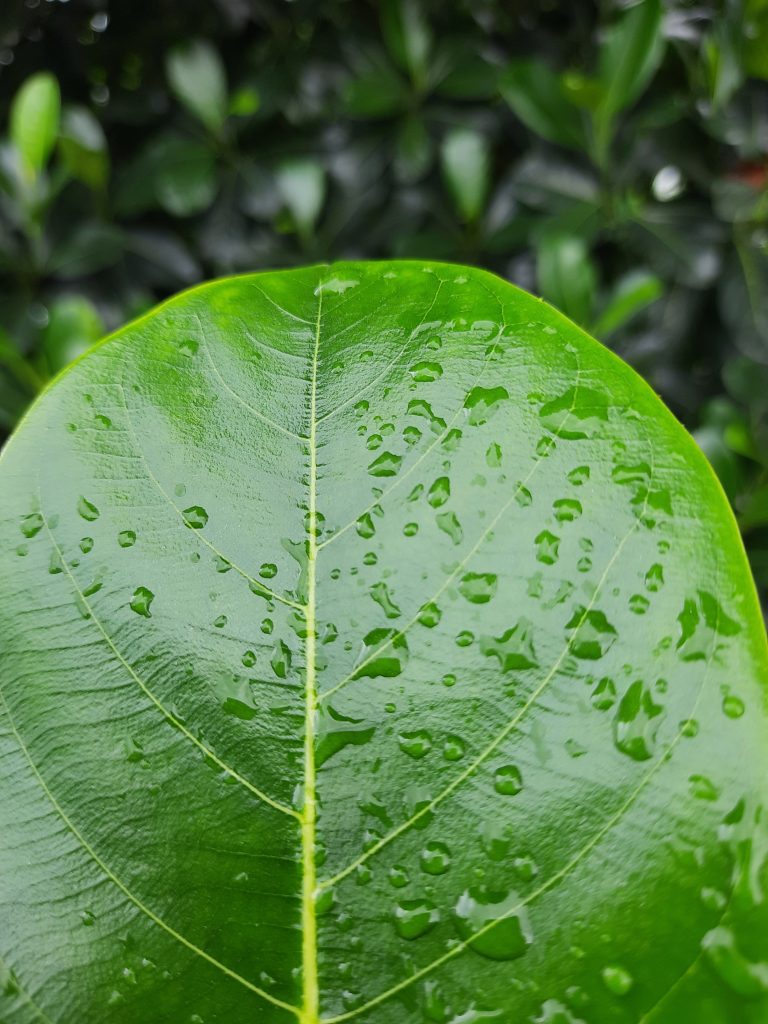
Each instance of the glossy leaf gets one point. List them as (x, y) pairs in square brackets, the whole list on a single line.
[(35, 121), (375, 647)]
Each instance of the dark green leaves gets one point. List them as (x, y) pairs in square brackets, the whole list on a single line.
[(375, 647)]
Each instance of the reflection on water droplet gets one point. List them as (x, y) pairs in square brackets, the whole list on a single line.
[(617, 979), (195, 517), (493, 924), (141, 601), (87, 510), (414, 918), (554, 1012), (508, 780)]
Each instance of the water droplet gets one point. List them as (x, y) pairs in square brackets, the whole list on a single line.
[(411, 435), (195, 517), (87, 510), (594, 634), (337, 731), (478, 587), (743, 976), (465, 638), (637, 721), (189, 347), (384, 653), (439, 492), (365, 526), (398, 877), (576, 413), (654, 578), (414, 918), (703, 788), (507, 780), (141, 602), (493, 456), (454, 748), (554, 1012), (617, 979), (126, 538), (88, 918), (429, 615), (374, 441), (335, 286), (701, 621), (426, 372), (482, 403), (387, 464), (523, 496), (435, 858), (638, 604), (449, 523), (604, 694), (579, 476), (32, 524), (416, 744), (220, 622), (86, 545), (566, 509), (411, 529), (547, 547), (494, 925), (514, 648), (733, 706)]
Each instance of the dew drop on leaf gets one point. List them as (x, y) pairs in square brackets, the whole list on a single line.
[(416, 743), (414, 918), (141, 601), (87, 510), (637, 721), (617, 979), (482, 403), (435, 858), (32, 524), (507, 780), (493, 924), (195, 517)]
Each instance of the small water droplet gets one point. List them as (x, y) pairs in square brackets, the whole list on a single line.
[(733, 706), (195, 517), (414, 918), (478, 587), (426, 372), (141, 602), (87, 510), (126, 538), (32, 524), (507, 780), (495, 925), (617, 979), (435, 858), (416, 743)]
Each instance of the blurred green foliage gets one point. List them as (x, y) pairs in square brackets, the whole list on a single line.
[(612, 156)]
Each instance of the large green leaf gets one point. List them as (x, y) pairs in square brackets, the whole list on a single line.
[(375, 647)]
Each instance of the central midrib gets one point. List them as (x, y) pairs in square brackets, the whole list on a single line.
[(311, 998)]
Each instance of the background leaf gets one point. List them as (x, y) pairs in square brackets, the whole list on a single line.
[(196, 75), (34, 121)]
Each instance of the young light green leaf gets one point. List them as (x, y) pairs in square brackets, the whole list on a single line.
[(34, 121), (375, 647), (566, 274), (83, 147), (408, 37), (197, 76), (538, 97), (466, 162), (633, 293), (73, 326), (302, 184)]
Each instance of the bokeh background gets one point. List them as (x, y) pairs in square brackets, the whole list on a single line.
[(611, 156)]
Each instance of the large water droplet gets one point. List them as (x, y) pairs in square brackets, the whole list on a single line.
[(637, 721), (482, 403), (493, 924), (478, 587), (744, 976), (141, 601), (195, 517), (415, 917)]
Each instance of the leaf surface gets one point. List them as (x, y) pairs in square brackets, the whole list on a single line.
[(374, 646)]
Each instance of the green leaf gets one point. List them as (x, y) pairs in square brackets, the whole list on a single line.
[(538, 97), (632, 294), (629, 58), (466, 162), (567, 275), (34, 121), (197, 76), (408, 37), (302, 185), (83, 147), (376, 647), (73, 326)]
